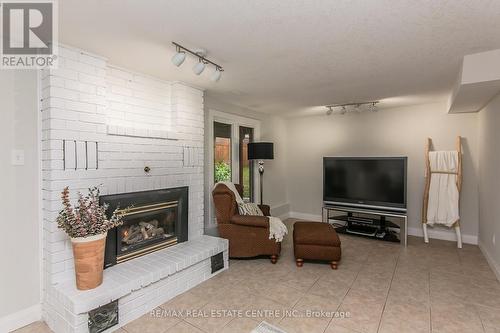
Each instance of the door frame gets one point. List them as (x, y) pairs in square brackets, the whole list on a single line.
[(235, 121)]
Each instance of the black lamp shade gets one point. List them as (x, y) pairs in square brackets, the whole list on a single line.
[(260, 151)]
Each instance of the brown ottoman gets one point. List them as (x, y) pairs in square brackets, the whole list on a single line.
[(316, 241)]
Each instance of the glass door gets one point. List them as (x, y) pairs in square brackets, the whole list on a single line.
[(222, 152), (245, 166), (228, 139)]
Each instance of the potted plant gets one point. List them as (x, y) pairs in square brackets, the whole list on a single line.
[(87, 225)]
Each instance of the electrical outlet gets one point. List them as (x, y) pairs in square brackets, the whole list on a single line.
[(17, 157)]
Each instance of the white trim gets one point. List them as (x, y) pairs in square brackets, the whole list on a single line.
[(442, 234), (235, 121), (40, 184), (234, 118), (448, 235), (305, 216), (281, 210), (283, 217), (495, 267), (21, 318)]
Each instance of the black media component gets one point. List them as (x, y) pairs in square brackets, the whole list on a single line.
[(365, 182)]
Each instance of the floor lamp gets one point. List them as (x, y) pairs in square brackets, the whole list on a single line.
[(261, 151)]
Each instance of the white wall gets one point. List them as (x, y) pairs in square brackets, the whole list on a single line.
[(273, 129), (489, 182), (390, 132), (19, 245), (276, 181)]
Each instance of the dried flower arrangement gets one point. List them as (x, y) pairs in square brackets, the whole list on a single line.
[(87, 218)]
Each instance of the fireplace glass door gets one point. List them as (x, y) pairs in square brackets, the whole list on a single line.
[(146, 229)]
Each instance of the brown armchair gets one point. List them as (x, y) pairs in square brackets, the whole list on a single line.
[(248, 235)]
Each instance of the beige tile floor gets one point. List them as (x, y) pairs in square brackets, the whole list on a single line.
[(382, 286)]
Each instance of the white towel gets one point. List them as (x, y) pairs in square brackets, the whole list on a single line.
[(231, 186), (443, 192), (277, 229)]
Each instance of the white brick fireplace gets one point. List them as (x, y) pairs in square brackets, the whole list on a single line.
[(104, 125)]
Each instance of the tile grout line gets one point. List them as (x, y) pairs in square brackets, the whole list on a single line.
[(347, 292), (430, 303), (388, 290), (463, 273), (481, 319), (312, 285), (187, 323)]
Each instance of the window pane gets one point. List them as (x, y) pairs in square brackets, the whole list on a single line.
[(246, 167), (222, 152)]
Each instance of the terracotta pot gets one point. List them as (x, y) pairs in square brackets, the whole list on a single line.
[(88, 253)]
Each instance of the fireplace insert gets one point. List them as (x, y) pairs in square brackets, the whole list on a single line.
[(153, 221)]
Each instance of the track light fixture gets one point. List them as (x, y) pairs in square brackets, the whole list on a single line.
[(199, 67), (351, 107), (180, 56), (216, 75), (329, 110)]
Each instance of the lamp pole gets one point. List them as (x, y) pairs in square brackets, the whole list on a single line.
[(261, 176)]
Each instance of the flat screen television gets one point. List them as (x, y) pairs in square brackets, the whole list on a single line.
[(367, 182)]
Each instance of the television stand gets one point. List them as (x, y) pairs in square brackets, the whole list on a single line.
[(362, 230), (378, 227)]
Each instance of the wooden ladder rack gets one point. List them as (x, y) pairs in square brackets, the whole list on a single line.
[(428, 174)]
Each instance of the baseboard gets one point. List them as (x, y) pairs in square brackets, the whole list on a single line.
[(281, 211), (283, 217), (305, 216), (433, 233), (21, 318), (448, 235), (495, 267)]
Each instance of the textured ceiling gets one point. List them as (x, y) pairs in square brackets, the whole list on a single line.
[(290, 56)]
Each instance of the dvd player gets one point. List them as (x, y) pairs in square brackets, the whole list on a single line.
[(357, 219), (362, 230)]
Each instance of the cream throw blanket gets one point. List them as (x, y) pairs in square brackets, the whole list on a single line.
[(277, 229), (443, 191)]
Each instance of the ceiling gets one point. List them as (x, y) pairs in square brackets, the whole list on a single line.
[(290, 57)]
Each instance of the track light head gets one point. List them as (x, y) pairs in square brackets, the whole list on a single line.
[(216, 75), (199, 67), (179, 58)]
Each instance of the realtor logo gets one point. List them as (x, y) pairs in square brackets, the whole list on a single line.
[(29, 31)]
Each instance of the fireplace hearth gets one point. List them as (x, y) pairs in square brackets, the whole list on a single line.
[(153, 221)]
